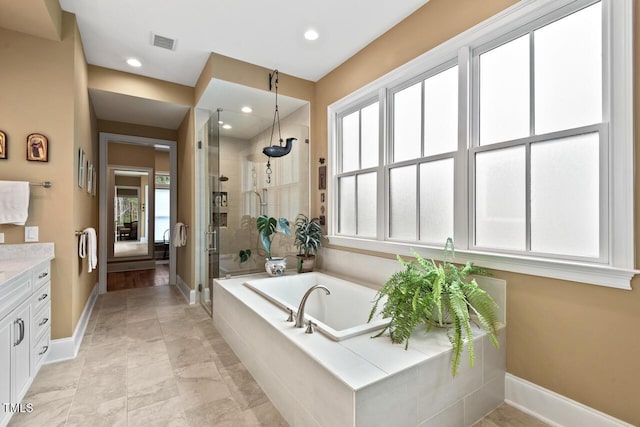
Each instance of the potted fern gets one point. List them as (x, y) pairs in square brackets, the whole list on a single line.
[(268, 227), (308, 239), (437, 294)]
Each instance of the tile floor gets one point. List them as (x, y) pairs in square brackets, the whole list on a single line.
[(149, 359)]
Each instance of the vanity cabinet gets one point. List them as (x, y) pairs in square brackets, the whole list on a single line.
[(25, 310)]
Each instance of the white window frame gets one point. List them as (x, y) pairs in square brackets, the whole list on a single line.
[(618, 269)]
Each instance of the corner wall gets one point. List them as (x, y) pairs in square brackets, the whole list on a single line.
[(578, 340), (43, 86)]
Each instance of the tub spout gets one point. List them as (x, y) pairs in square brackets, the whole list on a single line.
[(300, 313)]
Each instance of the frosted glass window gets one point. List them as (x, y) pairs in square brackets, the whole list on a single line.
[(565, 196), (568, 71), (367, 204), (441, 112), (347, 207), (407, 123), (436, 201), (351, 142), (504, 92), (501, 199), (370, 135), (402, 203)]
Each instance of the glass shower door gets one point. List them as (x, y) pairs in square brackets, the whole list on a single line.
[(212, 209)]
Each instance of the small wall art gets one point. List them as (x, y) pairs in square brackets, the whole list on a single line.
[(81, 157), (37, 148), (3, 145), (89, 178), (95, 183)]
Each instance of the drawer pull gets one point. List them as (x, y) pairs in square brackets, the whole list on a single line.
[(43, 275), (44, 350), (43, 296), (43, 321)]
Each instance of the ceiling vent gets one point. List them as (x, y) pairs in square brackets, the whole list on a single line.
[(163, 42)]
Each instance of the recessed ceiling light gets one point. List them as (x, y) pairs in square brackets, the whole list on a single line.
[(227, 126), (311, 35), (220, 122), (134, 62), (247, 109)]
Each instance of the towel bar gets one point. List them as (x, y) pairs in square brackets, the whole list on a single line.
[(45, 184)]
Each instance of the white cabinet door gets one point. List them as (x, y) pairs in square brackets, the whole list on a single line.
[(5, 366), (21, 352)]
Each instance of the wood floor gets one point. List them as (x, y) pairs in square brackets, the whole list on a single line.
[(122, 280)]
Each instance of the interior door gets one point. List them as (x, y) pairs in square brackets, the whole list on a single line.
[(212, 187)]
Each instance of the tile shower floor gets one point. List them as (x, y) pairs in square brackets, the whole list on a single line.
[(149, 359)]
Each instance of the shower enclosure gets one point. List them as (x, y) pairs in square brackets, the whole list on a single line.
[(238, 187)]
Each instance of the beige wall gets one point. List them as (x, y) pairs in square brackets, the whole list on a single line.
[(579, 340), (162, 163), (43, 87), (185, 259)]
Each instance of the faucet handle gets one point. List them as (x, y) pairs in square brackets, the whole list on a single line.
[(310, 326), (290, 318)]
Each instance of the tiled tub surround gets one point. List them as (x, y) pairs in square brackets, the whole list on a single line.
[(314, 381)]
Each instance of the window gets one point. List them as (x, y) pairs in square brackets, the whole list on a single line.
[(359, 170), (514, 138)]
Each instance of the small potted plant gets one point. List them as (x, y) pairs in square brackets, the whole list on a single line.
[(437, 294), (268, 227), (308, 239)]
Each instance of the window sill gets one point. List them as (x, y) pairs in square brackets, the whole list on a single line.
[(594, 274)]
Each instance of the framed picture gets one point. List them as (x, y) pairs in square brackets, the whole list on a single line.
[(89, 178), (81, 157), (95, 183), (322, 178), (3, 145), (37, 148)]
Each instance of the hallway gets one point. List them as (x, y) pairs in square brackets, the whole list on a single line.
[(148, 359), (123, 280)]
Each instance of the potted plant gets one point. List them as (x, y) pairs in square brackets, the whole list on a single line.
[(268, 227), (437, 294), (308, 239)]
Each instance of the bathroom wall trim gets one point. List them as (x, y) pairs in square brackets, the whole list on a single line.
[(553, 408), (188, 293), (67, 348)]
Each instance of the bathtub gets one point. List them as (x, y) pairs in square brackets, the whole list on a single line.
[(342, 314), (315, 381)]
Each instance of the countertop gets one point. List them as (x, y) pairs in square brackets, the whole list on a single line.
[(17, 259)]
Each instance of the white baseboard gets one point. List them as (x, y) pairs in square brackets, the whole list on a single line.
[(67, 348), (553, 408), (188, 293)]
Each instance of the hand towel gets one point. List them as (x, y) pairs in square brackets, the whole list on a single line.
[(179, 235), (14, 202), (82, 246), (92, 247)]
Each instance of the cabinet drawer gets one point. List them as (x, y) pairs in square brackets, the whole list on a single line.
[(14, 293), (41, 274), (39, 351), (41, 297), (40, 322)]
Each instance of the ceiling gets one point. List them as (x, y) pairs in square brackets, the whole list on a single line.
[(269, 34), (231, 97)]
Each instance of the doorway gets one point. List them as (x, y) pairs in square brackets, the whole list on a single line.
[(138, 208)]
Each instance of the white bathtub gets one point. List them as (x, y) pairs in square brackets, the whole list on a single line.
[(340, 315)]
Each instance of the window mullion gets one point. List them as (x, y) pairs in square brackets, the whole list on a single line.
[(527, 199), (383, 150), (532, 86), (461, 171)]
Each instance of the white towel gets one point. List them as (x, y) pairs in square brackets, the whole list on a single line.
[(14, 202), (179, 235), (88, 246)]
